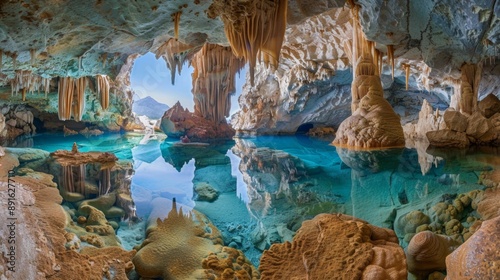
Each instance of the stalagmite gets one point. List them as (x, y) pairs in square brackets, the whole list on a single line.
[(390, 58), (252, 27), (407, 74), (79, 98), (213, 81), (471, 77), (176, 18), (103, 90), (66, 88), (174, 52)]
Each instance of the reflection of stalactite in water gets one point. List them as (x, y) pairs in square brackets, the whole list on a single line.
[(73, 177), (104, 181)]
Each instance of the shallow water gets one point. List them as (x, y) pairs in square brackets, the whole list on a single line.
[(268, 185)]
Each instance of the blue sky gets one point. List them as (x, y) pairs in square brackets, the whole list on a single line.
[(151, 77)]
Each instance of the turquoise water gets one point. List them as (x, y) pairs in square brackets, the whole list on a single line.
[(268, 185)]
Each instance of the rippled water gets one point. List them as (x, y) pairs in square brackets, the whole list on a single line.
[(268, 185)]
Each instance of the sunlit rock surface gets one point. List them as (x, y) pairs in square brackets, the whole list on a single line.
[(177, 122)]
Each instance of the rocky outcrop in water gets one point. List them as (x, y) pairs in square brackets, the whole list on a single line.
[(177, 122), (453, 128)]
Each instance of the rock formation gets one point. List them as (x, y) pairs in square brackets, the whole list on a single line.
[(192, 246), (478, 256), (427, 252), (453, 128), (336, 247), (373, 125), (177, 122), (214, 73)]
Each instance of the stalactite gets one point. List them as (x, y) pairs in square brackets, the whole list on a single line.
[(25, 79), (104, 181), (14, 60), (104, 58), (176, 17), (80, 63), (213, 81), (407, 74), (252, 27), (32, 56), (46, 85), (67, 179), (73, 178), (66, 88), (103, 90), (365, 61), (471, 77), (1, 60), (390, 58), (79, 98), (24, 94), (174, 53), (80, 171)]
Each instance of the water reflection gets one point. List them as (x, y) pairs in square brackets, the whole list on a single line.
[(267, 186)]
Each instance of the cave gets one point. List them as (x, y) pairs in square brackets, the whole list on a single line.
[(329, 139), (304, 128)]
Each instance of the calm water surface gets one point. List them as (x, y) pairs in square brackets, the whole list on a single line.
[(268, 185)]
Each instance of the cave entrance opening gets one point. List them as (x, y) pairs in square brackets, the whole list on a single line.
[(304, 128), (151, 79), (154, 92)]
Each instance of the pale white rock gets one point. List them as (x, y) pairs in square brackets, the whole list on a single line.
[(374, 124)]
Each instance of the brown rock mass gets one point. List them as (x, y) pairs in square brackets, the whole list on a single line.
[(336, 247)]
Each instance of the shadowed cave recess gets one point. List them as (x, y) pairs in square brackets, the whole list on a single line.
[(366, 144)]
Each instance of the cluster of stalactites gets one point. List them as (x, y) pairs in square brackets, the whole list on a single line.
[(213, 80), (103, 90), (104, 181), (362, 47), (25, 81), (71, 98), (73, 178), (253, 28), (174, 52), (470, 79)]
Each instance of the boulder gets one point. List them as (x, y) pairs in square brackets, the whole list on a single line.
[(489, 106), (455, 121), (478, 257), (447, 138), (336, 246)]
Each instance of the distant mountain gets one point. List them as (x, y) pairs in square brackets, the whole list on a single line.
[(149, 107)]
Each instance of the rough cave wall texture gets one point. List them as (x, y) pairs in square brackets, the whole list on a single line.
[(73, 38)]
